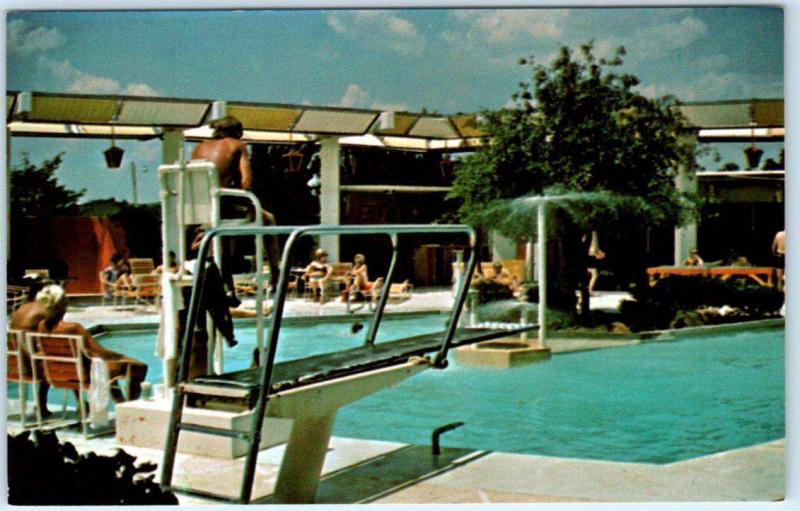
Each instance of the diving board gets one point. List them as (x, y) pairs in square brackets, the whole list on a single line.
[(329, 366)]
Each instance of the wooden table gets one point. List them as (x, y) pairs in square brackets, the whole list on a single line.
[(763, 275)]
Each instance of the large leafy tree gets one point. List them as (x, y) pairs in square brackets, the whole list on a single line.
[(581, 130), (36, 192)]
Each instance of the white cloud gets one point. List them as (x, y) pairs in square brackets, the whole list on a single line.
[(139, 89), (712, 62), (656, 41), (713, 85), (380, 29), (24, 40), (356, 97), (78, 81), (509, 25)]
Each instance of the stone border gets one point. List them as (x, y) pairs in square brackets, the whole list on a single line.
[(671, 334)]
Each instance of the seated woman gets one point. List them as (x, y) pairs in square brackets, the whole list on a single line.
[(318, 274), (694, 259), (53, 302), (357, 280), (117, 275)]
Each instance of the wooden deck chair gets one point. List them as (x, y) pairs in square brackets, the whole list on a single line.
[(400, 292), (141, 265), (146, 289), (37, 273), (66, 366), (19, 368)]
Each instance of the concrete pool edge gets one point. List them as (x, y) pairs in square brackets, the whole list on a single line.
[(98, 329)]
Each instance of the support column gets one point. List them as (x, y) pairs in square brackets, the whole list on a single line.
[(329, 197), (686, 236), (171, 143), (298, 477), (541, 227)]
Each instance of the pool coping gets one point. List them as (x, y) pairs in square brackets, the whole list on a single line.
[(98, 329)]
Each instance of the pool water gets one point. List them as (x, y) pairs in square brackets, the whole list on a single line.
[(657, 403)]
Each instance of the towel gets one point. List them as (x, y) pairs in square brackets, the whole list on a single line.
[(99, 393)]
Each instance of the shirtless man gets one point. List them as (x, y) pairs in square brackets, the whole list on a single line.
[(779, 251), (229, 154), (53, 302), (27, 317)]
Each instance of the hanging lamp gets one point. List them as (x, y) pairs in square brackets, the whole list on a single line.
[(113, 154), (293, 156), (752, 154)]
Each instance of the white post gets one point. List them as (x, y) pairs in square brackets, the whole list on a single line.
[(541, 226), (329, 197), (171, 142), (686, 236), (134, 184)]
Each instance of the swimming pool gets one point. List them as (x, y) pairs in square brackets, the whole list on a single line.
[(657, 403)]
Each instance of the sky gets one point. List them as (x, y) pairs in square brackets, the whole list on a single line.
[(444, 60)]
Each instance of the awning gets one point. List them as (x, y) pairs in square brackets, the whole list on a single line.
[(44, 114)]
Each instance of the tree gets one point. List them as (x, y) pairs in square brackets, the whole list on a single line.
[(580, 129), (36, 192)]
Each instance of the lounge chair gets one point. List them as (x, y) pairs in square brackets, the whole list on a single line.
[(19, 369), (400, 292), (66, 366), (141, 265)]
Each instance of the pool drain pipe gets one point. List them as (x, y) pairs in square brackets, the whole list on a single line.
[(435, 450)]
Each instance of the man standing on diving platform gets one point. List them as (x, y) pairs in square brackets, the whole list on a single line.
[(229, 154)]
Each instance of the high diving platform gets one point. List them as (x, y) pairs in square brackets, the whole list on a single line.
[(307, 391)]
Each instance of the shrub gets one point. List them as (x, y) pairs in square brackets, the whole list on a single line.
[(657, 306), (41, 471)]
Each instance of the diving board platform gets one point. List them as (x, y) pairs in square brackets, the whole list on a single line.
[(328, 366), (309, 391)]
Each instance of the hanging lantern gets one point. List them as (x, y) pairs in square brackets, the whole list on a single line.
[(752, 156), (113, 157), (294, 160), (293, 156), (113, 154)]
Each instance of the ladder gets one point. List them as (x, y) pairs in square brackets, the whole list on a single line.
[(253, 393)]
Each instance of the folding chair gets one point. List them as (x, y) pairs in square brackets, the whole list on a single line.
[(19, 368), (66, 366)]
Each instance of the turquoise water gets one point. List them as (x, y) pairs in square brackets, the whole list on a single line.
[(657, 403)]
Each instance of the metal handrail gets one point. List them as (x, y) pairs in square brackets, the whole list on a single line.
[(295, 233)]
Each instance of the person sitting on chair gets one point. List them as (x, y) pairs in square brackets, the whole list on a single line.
[(26, 318), (228, 153), (693, 259), (318, 274), (501, 275), (117, 275), (53, 302), (357, 280)]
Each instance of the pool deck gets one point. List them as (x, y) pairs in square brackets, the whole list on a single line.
[(358, 471)]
